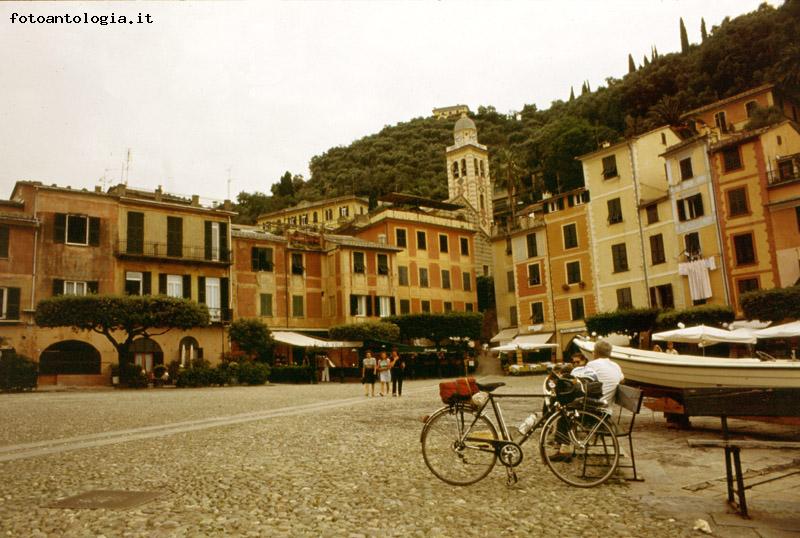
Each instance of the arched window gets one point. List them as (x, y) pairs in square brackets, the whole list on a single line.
[(482, 171), (314, 218), (475, 166), (70, 357), (463, 167), (146, 353), (455, 168), (189, 350)]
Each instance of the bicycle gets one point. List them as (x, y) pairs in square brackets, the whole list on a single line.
[(461, 445)]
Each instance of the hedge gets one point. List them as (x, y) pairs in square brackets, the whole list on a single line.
[(622, 321), (292, 374), (777, 304), (713, 315), (370, 330), (438, 327), (17, 372)]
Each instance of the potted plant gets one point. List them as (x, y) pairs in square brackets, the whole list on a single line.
[(582, 284), (115, 374), (565, 287)]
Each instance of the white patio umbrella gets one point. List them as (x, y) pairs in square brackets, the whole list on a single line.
[(706, 336), (787, 330)]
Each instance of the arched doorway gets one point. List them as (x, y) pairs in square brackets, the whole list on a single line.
[(146, 353), (189, 350), (70, 357)]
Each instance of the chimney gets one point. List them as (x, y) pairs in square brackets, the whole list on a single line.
[(227, 205), (195, 200), (158, 194), (98, 189)]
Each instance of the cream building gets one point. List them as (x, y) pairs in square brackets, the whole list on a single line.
[(328, 214)]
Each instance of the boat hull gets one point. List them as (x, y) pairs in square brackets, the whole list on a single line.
[(691, 371)]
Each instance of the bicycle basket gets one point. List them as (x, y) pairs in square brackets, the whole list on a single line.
[(567, 390), (460, 390)]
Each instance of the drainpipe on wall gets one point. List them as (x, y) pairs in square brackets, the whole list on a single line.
[(35, 246), (722, 258), (639, 221)]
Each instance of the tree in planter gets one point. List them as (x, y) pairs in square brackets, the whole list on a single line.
[(132, 315), (438, 327), (253, 338)]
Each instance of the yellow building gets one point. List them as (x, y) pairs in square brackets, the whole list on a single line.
[(624, 180), (327, 214)]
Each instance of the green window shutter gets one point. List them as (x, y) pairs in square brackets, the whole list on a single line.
[(187, 286), (12, 304), (377, 305), (4, 233), (201, 290), (94, 231), (93, 286), (162, 284), (369, 305), (135, 233), (392, 310), (147, 284), (270, 264), (59, 228), (224, 292), (207, 244), (254, 264), (58, 287), (175, 237), (224, 255), (353, 305)]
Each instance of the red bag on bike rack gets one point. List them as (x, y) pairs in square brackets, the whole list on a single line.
[(461, 389)]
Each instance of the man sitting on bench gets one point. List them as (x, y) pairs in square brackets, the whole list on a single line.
[(603, 369)]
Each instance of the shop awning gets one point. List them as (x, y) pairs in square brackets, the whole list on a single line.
[(527, 342), (506, 335), (302, 340)]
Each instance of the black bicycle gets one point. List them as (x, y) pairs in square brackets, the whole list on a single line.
[(461, 443)]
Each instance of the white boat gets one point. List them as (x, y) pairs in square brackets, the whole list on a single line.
[(693, 371)]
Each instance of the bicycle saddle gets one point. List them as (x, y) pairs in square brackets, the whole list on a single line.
[(489, 387)]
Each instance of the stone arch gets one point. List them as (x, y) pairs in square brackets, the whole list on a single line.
[(70, 357), (188, 350), (146, 352)]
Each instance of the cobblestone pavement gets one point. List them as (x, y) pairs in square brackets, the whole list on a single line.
[(309, 460)]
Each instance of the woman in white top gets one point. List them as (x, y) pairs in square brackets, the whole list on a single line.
[(368, 374), (384, 372)]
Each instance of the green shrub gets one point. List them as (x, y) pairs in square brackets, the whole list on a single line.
[(133, 376), (197, 377), (634, 320), (777, 304), (292, 374), (17, 372), (370, 330), (253, 373), (713, 315)]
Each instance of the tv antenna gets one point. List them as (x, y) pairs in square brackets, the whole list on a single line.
[(230, 180)]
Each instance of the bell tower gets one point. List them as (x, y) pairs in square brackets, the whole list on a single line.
[(468, 171)]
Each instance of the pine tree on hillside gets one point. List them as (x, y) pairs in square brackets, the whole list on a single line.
[(646, 62), (571, 94), (655, 52), (703, 32), (631, 64), (684, 38)]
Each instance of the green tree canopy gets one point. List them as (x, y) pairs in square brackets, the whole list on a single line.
[(779, 304), (370, 330), (684, 38), (439, 327), (253, 338)]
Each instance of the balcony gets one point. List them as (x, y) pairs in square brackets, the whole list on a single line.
[(220, 315), (187, 254), (787, 169)]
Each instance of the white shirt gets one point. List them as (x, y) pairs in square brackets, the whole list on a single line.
[(608, 373)]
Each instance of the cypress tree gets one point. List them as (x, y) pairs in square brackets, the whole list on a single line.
[(684, 38), (655, 52), (571, 94), (703, 33), (646, 61), (631, 65)]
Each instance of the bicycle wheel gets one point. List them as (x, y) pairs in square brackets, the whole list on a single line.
[(451, 460), (579, 447)]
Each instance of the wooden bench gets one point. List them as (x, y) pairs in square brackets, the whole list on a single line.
[(628, 399), (741, 403)]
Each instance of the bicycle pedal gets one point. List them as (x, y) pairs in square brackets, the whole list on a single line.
[(511, 477)]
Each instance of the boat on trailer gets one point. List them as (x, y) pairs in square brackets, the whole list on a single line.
[(692, 371)]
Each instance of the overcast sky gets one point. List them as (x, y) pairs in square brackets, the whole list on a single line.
[(260, 88)]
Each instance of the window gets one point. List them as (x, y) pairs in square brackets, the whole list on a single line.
[(609, 167), (297, 306), (133, 283), (402, 275), (360, 305), (315, 218), (690, 208), (344, 211), (469, 307), (576, 307), (537, 312), (731, 159), (483, 172), (786, 169), (657, 255), (570, 232), (455, 168), (174, 237), (297, 263), (448, 306), (511, 281), (9, 303), (467, 279), (174, 286), (216, 241), (512, 316), (213, 297), (464, 246), (445, 279), (619, 256), (400, 237), (405, 306), (737, 202), (721, 121), (750, 107), (443, 246), (426, 306), (4, 236), (661, 297), (534, 275), (614, 211), (422, 241), (624, 299), (747, 284), (745, 249), (463, 167), (691, 242), (652, 213), (266, 304), (508, 246), (663, 139), (76, 229), (74, 288), (329, 214), (573, 272), (261, 259), (384, 306), (482, 202), (358, 263), (383, 264), (686, 169), (531, 242), (423, 277)]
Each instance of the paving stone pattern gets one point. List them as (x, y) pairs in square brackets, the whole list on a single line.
[(346, 470)]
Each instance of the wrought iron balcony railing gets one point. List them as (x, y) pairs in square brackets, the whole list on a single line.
[(194, 253), (787, 169)]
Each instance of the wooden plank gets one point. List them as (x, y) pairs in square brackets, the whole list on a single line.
[(714, 402), (721, 443)]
